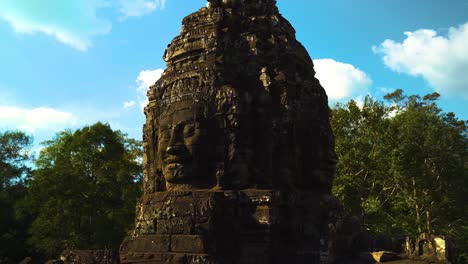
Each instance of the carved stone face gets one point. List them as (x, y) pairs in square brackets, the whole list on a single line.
[(184, 149)]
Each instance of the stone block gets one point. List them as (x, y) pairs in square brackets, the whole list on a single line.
[(204, 207), (147, 243), (207, 194), (89, 257), (203, 225), (266, 215), (261, 196), (174, 194), (147, 227), (164, 227), (384, 256), (157, 197), (182, 226), (181, 209), (188, 244)]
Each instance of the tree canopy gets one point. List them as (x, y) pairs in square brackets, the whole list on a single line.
[(14, 147), (14, 171), (84, 190), (403, 165)]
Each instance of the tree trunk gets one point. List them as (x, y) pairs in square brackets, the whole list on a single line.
[(428, 214), (417, 208), (428, 222)]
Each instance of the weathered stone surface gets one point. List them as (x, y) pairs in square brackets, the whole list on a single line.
[(238, 150), (238, 106), (384, 256), (189, 244), (147, 243), (89, 257), (248, 224)]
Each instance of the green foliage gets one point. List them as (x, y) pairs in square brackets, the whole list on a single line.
[(361, 136), (404, 166), (84, 190), (14, 149), (14, 146)]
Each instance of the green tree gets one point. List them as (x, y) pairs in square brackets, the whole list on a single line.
[(84, 190), (14, 172), (14, 153), (403, 165), (431, 163), (363, 145)]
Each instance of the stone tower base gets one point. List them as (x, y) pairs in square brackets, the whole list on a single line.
[(205, 226)]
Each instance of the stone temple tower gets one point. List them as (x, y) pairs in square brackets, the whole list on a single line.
[(238, 151)]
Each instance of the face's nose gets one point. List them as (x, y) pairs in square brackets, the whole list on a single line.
[(175, 145), (175, 149)]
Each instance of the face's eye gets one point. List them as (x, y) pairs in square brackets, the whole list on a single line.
[(189, 130)]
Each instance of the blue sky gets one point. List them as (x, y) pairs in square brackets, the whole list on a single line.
[(66, 64)]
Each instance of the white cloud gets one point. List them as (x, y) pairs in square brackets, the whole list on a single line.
[(441, 60), (129, 104), (31, 120), (360, 101), (72, 22), (341, 80), (144, 80), (137, 8)]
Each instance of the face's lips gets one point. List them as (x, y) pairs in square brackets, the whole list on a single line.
[(174, 166), (175, 160)]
